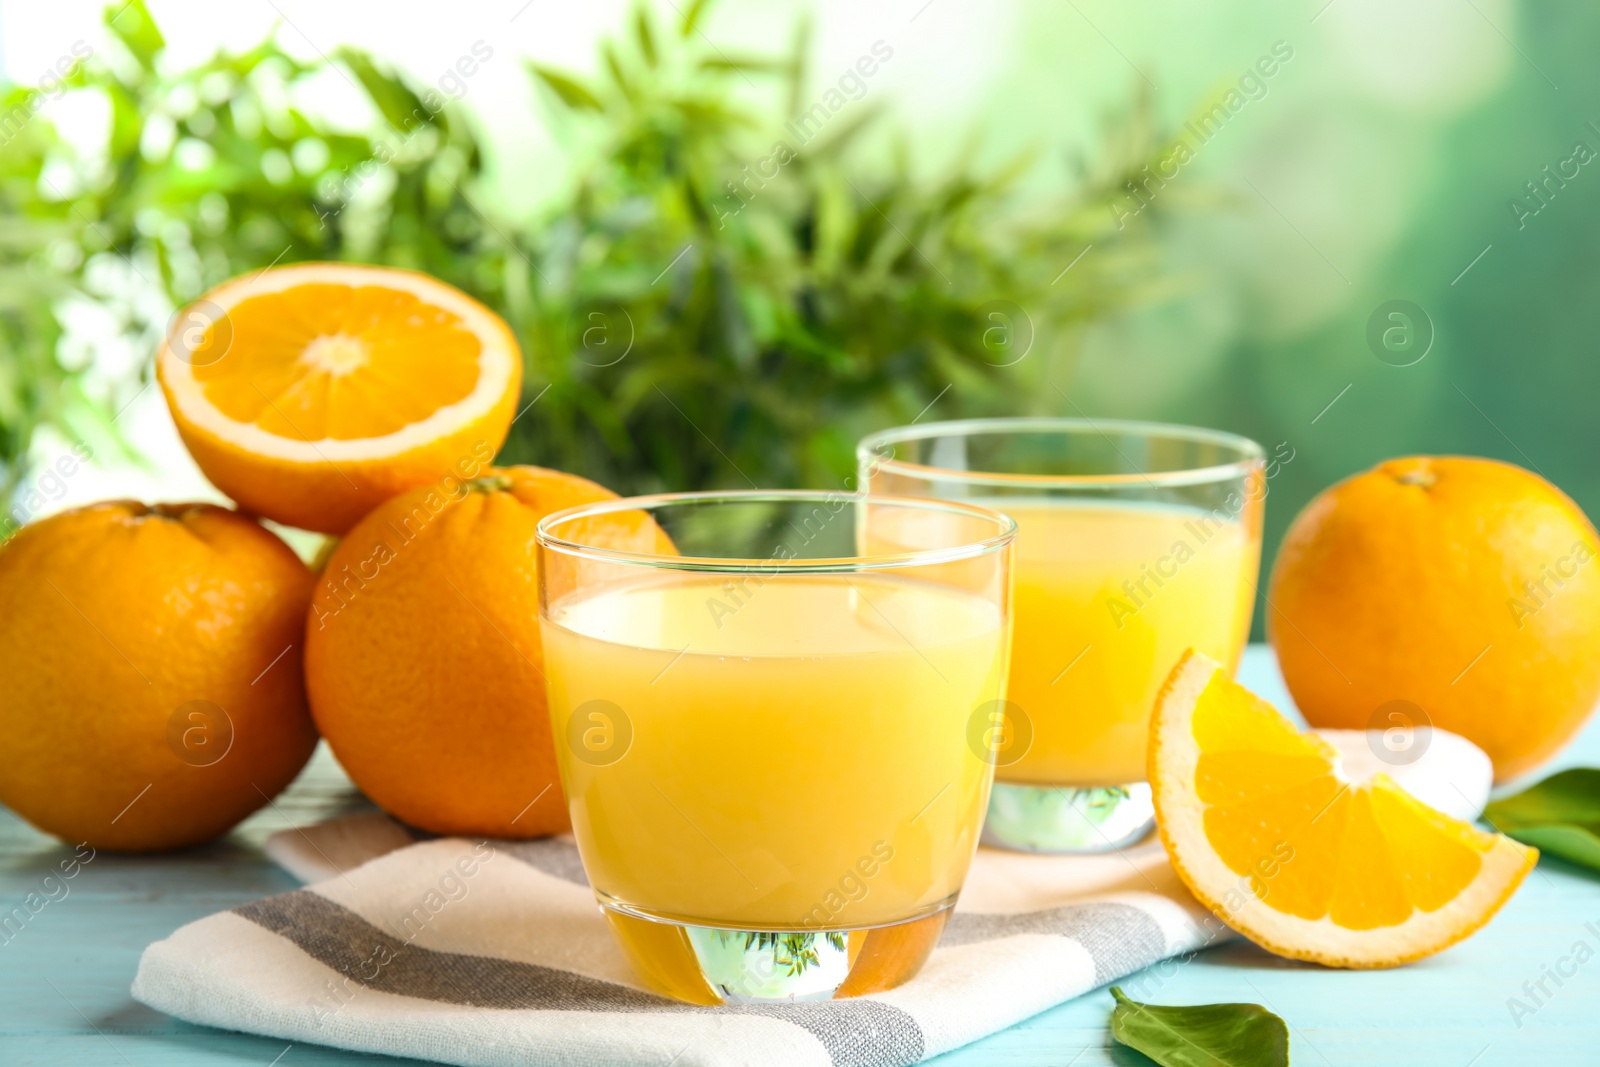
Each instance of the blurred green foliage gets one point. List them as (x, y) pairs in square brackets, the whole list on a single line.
[(724, 296)]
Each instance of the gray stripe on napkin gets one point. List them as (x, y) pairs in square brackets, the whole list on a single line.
[(1119, 937), (856, 1033), (555, 856), (334, 935), (860, 1033)]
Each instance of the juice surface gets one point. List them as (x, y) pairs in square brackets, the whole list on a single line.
[(799, 756), (1107, 598)]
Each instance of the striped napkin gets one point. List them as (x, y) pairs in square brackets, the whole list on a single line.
[(494, 952)]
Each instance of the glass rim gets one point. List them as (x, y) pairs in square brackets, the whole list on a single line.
[(1251, 455), (547, 539)]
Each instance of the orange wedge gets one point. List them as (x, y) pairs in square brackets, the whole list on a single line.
[(311, 393), (1265, 829)]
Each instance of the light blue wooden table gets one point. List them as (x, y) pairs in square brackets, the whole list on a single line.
[(64, 977)]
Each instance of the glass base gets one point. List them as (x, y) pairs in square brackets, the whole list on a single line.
[(711, 965), (1038, 818)]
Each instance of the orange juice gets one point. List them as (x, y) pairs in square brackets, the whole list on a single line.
[(1107, 598), (779, 753)]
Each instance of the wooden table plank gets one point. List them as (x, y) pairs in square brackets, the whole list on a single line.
[(64, 977)]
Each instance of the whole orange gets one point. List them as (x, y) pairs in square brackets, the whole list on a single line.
[(423, 658), (151, 657), (1465, 588)]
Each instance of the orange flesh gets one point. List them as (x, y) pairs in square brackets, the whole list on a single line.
[(336, 361), (1364, 856)]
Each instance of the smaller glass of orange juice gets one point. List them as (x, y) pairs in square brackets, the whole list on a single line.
[(1135, 542), (763, 726)]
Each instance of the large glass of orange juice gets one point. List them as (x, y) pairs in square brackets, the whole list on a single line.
[(1135, 542), (763, 729)]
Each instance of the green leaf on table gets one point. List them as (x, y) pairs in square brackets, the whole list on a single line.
[(1560, 815), (1205, 1035)]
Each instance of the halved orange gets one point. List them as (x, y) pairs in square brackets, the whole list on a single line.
[(1266, 831), (311, 393)]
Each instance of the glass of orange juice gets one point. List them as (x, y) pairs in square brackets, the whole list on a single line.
[(762, 722), (1135, 541)]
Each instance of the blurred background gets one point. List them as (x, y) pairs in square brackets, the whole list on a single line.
[(734, 236)]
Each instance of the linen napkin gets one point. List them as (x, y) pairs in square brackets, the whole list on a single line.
[(494, 952)]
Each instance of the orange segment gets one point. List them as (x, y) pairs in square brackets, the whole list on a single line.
[(1366, 888), (340, 361), (311, 393), (1264, 827), (1283, 826)]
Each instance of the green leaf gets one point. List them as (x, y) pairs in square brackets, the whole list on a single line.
[(691, 16), (127, 125), (398, 105), (1206, 1035), (804, 307), (1560, 815), (570, 90), (799, 49), (646, 36), (755, 64), (619, 76), (833, 140), (133, 26)]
